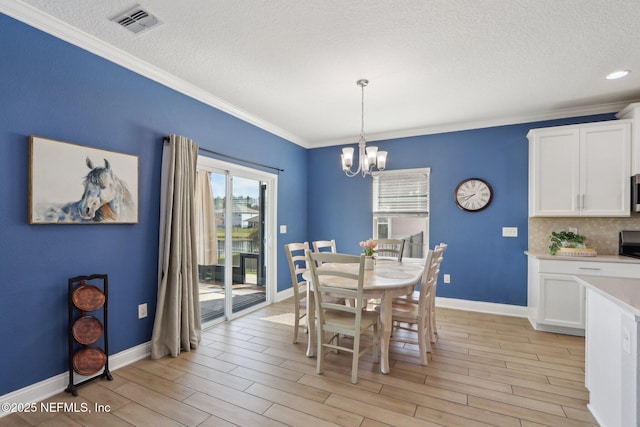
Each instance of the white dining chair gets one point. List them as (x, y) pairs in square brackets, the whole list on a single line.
[(418, 315), (324, 246), (297, 257), (434, 328), (337, 319), (393, 248), (415, 295)]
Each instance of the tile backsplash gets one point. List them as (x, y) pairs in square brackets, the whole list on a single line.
[(601, 233)]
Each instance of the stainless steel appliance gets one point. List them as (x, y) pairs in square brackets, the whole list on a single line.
[(635, 193), (629, 243)]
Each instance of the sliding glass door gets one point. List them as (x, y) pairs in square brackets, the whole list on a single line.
[(233, 273)]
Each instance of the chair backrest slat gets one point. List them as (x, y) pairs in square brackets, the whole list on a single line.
[(430, 274), (325, 246), (327, 280), (297, 257), (391, 248)]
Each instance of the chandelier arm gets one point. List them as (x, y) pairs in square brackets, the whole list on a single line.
[(351, 173)]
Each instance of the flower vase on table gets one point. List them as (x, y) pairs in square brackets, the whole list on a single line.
[(368, 251), (368, 263)]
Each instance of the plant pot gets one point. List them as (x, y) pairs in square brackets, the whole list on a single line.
[(368, 263)]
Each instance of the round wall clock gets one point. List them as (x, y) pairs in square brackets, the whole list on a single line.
[(473, 194)]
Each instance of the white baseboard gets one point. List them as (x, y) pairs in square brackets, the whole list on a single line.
[(54, 385), (283, 295), (482, 307), (556, 329), (458, 304)]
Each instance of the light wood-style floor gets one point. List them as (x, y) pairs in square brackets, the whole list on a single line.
[(484, 370)]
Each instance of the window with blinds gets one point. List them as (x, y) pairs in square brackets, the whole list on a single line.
[(401, 208), (401, 191)]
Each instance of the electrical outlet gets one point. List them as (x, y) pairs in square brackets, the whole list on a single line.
[(626, 340), (447, 278), (142, 311), (283, 229), (509, 231), (573, 230)]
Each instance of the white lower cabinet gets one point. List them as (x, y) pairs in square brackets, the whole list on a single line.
[(556, 301), (561, 301)]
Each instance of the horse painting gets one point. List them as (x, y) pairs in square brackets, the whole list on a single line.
[(105, 198)]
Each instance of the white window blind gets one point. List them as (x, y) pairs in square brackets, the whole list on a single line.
[(401, 191)]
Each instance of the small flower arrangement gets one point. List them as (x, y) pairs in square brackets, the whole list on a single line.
[(368, 247)]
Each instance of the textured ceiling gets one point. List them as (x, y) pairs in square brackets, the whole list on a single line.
[(290, 66)]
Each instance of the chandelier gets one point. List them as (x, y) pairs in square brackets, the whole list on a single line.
[(369, 157)]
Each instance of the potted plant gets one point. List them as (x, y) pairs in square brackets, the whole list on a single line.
[(565, 239), (368, 249)]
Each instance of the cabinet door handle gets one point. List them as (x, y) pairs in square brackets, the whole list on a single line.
[(589, 268)]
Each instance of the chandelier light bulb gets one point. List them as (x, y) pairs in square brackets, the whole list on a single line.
[(382, 160), (347, 157), (372, 155)]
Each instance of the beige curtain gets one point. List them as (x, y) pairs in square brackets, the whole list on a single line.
[(206, 238), (177, 323)]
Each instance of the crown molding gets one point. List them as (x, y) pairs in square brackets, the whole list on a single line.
[(59, 29), (479, 124)]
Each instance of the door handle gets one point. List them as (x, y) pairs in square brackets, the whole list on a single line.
[(589, 268)]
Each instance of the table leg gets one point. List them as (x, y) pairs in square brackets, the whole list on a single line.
[(311, 322), (385, 331)]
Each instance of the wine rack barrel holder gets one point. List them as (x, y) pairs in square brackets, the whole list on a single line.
[(88, 335)]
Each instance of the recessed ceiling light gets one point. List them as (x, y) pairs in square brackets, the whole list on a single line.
[(618, 74)]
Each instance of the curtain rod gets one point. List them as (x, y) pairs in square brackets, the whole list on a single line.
[(166, 139)]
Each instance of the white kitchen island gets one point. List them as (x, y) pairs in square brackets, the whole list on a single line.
[(612, 333)]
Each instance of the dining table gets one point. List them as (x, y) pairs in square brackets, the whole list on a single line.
[(388, 279)]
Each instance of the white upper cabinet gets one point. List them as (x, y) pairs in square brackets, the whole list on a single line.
[(632, 112), (580, 170)]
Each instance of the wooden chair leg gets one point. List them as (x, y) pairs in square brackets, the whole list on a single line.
[(376, 343), (423, 339), (433, 332), (319, 351), (356, 357), (296, 324)]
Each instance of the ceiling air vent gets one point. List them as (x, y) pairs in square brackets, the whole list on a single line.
[(136, 20)]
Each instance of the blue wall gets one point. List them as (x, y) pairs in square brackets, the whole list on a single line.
[(55, 90), (484, 266)]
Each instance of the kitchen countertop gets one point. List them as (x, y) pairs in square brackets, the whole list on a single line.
[(599, 258), (623, 292)]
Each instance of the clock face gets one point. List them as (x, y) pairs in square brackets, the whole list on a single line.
[(473, 194)]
